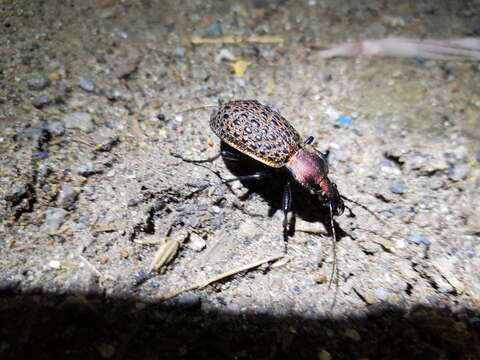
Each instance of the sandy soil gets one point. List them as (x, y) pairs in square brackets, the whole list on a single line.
[(92, 106)]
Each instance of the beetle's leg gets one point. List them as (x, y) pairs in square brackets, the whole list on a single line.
[(195, 161), (257, 176), (229, 155), (286, 206), (308, 140)]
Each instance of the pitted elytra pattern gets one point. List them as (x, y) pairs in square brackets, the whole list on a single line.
[(257, 131)]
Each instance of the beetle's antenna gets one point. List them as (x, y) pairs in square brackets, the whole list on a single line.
[(334, 246), (363, 207)]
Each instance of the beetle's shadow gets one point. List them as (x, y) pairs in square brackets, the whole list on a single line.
[(304, 205)]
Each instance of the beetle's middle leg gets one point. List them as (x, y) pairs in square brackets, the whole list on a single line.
[(256, 176)]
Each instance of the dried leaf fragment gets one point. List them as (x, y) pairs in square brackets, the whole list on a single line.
[(239, 66)]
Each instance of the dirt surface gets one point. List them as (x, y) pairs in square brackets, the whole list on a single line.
[(92, 101)]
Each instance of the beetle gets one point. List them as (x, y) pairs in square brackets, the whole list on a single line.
[(266, 136)]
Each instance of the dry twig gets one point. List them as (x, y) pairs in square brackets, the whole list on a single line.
[(222, 276)]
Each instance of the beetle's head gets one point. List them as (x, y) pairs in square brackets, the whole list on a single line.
[(310, 168)]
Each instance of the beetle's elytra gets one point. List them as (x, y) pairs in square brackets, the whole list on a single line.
[(263, 134)]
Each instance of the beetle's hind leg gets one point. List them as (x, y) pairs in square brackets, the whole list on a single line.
[(256, 176)]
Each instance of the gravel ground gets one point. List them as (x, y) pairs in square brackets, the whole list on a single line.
[(93, 100)]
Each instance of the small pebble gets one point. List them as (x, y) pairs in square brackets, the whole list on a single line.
[(332, 113), (66, 197), (38, 82), (419, 239), (108, 144), (461, 172), (79, 120), (477, 156), (133, 202), (106, 350), (436, 183), (192, 220), (54, 218), (225, 54), (179, 52), (41, 155), (217, 221), (353, 334), (54, 127), (188, 300), (382, 294), (400, 244), (87, 85), (85, 170), (32, 133), (159, 205), (118, 94), (41, 101), (196, 242), (199, 73), (324, 355), (213, 30), (4, 346), (398, 187), (54, 264), (17, 195)]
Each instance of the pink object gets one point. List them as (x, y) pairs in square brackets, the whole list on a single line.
[(462, 49)]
